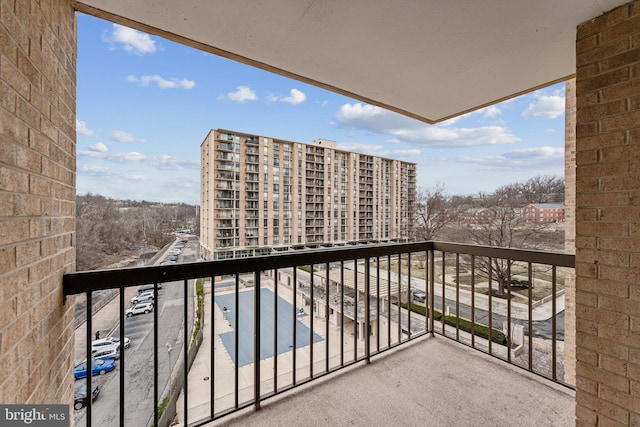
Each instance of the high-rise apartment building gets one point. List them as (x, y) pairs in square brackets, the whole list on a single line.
[(260, 195)]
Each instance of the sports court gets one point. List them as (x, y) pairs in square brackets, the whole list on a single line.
[(267, 327)]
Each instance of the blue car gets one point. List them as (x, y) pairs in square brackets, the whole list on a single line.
[(98, 367)]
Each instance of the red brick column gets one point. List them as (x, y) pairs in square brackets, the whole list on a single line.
[(608, 219), (38, 50)]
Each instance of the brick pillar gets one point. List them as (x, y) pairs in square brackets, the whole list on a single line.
[(38, 50), (608, 219), (570, 232)]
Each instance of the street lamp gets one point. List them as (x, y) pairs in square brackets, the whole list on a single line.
[(170, 366)]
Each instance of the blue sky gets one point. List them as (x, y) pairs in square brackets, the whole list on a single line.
[(145, 104)]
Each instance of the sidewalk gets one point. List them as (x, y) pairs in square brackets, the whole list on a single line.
[(519, 310), (199, 385)]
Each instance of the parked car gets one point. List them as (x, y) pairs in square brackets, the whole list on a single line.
[(80, 395), (109, 341), (106, 352), (139, 308), (149, 287), (419, 296), (145, 296), (98, 367)]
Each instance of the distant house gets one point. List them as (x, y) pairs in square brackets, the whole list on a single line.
[(544, 212)]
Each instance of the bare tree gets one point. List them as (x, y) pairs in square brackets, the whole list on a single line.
[(506, 226), (539, 189), (435, 210)]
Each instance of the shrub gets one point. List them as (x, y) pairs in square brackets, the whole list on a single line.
[(465, 325)]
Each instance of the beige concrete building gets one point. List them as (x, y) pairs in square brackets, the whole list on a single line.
[(261, 194)]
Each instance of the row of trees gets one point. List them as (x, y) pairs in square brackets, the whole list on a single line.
[(109, 230), (439, 218)]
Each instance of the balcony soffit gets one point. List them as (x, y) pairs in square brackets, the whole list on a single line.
[(427, 59)]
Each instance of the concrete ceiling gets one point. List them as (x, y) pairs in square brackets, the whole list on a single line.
[(428, 59)]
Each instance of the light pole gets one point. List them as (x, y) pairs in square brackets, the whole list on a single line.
[(170, 366)]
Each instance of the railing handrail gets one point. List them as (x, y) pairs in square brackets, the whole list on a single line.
[(79, 282)]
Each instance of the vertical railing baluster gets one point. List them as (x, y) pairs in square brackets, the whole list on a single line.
[(212, 385), (355, 310), (122, 354), (426, 291), (388, 301), (490, 308), (295, 323), (378, 305), (553, 324), (155, 353), (457, 296), (185, 346), (399, 298), (256, 340), (509, 344), (530, 314), (473, 301), (409, 295), (342, 313), (326, 318), (89, 362), (275, 330), (444, 291), (236, 340), (432, 288), (311, 315), (367, 317)]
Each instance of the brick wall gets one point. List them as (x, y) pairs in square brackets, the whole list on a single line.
[(38, 50), (608, 219), (570, 231)]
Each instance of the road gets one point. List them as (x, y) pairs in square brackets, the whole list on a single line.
[(541, 329), (139, 374)]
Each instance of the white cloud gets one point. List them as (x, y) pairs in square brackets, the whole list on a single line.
[(549, 106), (244, 93), (99, 147), (172, 83), (131, 40), (295, 97), (102, 172), (162, 162), (490, 111), (122, 136), (537, 153), (379, 150), (166, 162), (406, 130), (131, 156), (526, 158), (82, 129)]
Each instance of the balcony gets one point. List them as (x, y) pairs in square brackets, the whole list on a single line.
[(310, 319)]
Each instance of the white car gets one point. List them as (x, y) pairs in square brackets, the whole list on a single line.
[(143, 297), (104, 342), (106, 352), (140, 308), (149, 287)]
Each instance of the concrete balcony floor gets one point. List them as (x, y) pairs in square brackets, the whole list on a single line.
[(431, 382)]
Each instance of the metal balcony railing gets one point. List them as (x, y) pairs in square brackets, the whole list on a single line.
[(279, 321)]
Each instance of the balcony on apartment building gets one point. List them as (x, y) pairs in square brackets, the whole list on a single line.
[(333, 333)]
